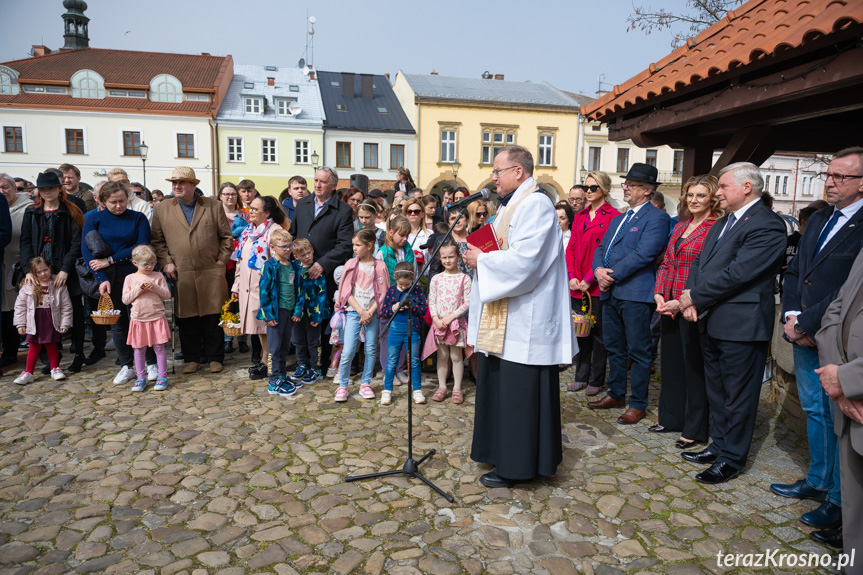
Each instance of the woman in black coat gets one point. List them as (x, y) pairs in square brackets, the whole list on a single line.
[(52, 229)]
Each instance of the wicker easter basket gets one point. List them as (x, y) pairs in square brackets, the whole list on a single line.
[(230, 321), (105, 313), (585, 320)]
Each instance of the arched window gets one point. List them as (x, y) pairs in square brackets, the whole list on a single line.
[(88, 84), (8, 80), (166, 88)]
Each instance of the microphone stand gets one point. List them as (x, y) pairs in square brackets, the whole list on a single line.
[(411, 465)]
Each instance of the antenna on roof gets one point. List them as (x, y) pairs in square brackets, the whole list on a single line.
[(600, 80), (310, 42)]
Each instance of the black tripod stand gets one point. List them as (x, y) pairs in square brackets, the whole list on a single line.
[(411, 465)]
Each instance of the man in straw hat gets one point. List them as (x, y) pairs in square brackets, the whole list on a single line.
[(193, 243), (520, 323)]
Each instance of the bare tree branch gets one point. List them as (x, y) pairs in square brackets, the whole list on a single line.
[(699, 15)]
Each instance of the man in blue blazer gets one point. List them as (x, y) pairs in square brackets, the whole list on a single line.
[(729, 292), (624, 265), (830, 243)]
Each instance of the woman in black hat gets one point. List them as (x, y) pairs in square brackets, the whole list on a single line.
[(52, 229)]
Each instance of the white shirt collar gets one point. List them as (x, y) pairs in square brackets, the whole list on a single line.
[(738, 215), (849, 211)]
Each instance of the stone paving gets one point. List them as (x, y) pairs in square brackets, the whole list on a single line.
[(216, 476)]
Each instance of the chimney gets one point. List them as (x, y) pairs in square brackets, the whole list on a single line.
[(367, 84), (39, 50), (434, 73), (498, 76), (347, 85), (312, 75), (271, 81), (387, 74), (205, 53), (601, 93), (486, 75)]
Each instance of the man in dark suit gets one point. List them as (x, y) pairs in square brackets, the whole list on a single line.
[(328, 224), (840, 351), (730, 293), (826, 251), (625, 267)]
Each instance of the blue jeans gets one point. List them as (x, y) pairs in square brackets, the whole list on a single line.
[(351, 333), (626, 326), (823, 444), (398, 338)]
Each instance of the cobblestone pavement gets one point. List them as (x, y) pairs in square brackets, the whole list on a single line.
[(216, 476)]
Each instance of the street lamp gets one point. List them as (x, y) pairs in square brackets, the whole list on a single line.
[(143, 149), (583, 174), (315, 158), (455, 167)]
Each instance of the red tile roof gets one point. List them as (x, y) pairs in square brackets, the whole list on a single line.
[(758, 29), (121, 67), (66, 102)]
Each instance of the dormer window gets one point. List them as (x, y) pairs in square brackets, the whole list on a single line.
[(253, 104), (284, 106), (166, 88), (8, 81), (88, 84)]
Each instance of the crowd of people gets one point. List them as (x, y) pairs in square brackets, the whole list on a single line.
[(321, 271)]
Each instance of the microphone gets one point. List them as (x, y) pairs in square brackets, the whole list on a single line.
[(483, 194)]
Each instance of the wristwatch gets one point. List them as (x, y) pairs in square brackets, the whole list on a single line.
[(798, 329)]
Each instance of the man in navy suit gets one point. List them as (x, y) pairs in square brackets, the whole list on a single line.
[(625, 267), (825, 254), (730, 293)]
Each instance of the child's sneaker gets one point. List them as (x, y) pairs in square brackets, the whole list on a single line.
[(402, 378), (342, 394), (57, 374), (386, 397), (273, 386), (366, 391), (311, 376), (286, 389), (161, 384), (419, 397), (152, 372), (140, 384), (301, 369), (296, 380), (25, 378)]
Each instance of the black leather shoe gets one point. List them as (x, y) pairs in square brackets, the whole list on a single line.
[(258, 371), (76, 365), (706, 456), (717, 473), (828, 516), (4, 361), (799, 490), (493, 480), (680, 444), (830, 537), (94, 356), (243, 347), (229, 347)]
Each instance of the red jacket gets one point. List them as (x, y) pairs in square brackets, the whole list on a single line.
[(585, 238), (674, 269)]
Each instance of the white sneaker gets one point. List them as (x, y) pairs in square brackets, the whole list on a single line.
[(24, 378), (125, 374), (402, 378), (419, 397), (152, 373), (386, 397), (57, 374)]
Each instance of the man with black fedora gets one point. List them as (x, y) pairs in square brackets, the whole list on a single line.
[(624, 265)]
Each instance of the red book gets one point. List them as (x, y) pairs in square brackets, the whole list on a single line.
[(485, 239)]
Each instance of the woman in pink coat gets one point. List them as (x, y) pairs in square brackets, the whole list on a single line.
[(265, 215), (588, 228)]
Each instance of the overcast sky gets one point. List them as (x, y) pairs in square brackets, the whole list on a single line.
[(566, 43)]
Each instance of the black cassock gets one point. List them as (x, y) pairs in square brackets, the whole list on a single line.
[(517, 418)]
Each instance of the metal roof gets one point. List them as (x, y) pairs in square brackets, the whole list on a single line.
[(434, 87), (380, 113), (308, 98)]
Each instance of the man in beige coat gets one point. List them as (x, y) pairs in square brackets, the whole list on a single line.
[(193, 243), (840, 352)]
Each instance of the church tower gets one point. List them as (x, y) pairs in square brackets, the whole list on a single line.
[(75, 25)]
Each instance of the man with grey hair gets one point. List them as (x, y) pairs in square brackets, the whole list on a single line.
[(730, 291), (328, 224)]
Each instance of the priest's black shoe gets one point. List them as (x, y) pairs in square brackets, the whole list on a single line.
[(229, 347), (830, 537), (706, 456), (828, 516), (94, 356), (492, 480), (799, 490), (717, 473), (76, 365)]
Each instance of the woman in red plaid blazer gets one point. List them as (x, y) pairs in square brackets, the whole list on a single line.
[(683, 399), (588, 228)]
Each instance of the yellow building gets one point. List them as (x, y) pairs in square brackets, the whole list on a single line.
[(462, 122)]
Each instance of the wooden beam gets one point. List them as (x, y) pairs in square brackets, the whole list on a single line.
[(696, 160), (742, 146)]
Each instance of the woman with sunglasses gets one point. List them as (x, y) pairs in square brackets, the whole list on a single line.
[(415, 211), (588, 228), (477, 215)]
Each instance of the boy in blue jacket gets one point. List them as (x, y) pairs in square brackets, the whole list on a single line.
[(278, 288), (310, 311)]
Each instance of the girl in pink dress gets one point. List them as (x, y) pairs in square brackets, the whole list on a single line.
[(146, 291), (449, 299)]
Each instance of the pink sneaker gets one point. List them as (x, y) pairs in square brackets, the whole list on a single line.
[(366, 391), (342, 394)]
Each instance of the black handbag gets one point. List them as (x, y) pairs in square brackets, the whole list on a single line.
[(88, 281), (17, 274)]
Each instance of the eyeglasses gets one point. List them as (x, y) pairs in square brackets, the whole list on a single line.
[(145, 264), (634, 186), (229, 194), (254, 210), (586, 189), (139, 194), (497, 173), (21, 189), (481, 214), (284, 247), (837, 178), (415, 212)]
